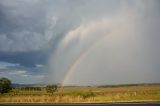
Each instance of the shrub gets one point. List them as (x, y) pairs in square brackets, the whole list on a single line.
[(31, 88), (83, 94), (5, 85), (51, 88), (87, 94)]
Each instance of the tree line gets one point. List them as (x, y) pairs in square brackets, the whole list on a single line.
[(6, 86)]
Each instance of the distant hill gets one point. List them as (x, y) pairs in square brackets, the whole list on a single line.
[(124, 85), (100, 86)]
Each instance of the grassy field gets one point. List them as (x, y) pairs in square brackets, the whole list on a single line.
[(134, 93)]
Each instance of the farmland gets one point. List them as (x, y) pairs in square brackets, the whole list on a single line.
[(120, 93)]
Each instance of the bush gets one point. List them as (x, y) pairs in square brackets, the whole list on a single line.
[(83, 94), (5, 85), (87, 94), (31, 88), (51, 88)]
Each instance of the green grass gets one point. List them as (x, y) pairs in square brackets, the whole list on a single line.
[(86, 95)]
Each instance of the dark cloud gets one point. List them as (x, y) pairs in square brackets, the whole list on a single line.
[(27, 32), (28, 59), (32, 31)]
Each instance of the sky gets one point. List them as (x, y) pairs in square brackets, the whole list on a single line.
[(80, 42)]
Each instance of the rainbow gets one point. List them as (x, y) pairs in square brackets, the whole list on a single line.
[(77, 60)]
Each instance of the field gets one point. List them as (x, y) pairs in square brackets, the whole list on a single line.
[(134, 93)]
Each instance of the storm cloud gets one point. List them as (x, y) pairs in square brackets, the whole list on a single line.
[(54, 33)]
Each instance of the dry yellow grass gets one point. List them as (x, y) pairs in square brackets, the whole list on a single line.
[(71, 95)]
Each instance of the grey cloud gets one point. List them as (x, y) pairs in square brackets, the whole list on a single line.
[(32, 25), (33, 32), (25, 26), (21, 74), (130, 51)]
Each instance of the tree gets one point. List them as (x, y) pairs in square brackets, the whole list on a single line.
[(51, 88), (5, 85)]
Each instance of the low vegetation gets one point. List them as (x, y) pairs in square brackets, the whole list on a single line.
[(83, 94), (53, 94), (5, 85), (51, 88)]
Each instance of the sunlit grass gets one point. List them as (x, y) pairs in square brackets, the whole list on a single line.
[(76, 95)]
